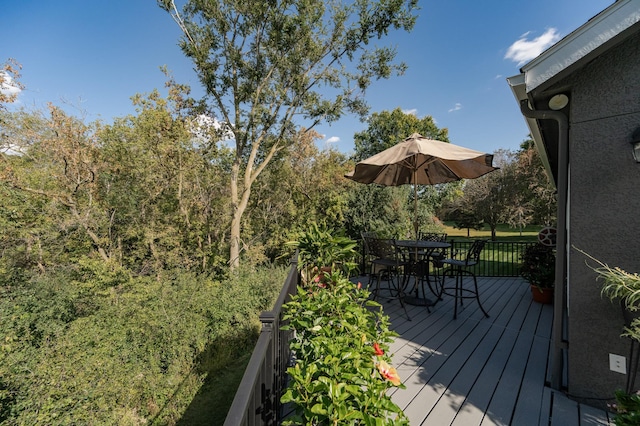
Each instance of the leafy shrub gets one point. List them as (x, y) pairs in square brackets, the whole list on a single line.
[(320, 247), (627, 409), (342, 371), (136, 352), (539, 265)]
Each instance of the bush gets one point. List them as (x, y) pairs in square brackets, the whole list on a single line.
[(342, 371), (626, 409), (539, 265), (132, 353)]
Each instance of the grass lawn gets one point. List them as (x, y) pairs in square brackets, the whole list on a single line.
[(503, 232)]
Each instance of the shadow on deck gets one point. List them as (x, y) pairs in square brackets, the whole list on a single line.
[(481, 371)]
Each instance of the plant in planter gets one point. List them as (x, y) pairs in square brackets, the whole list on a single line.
[(538, 268), (343, 370), (624, 287), (322, 250)]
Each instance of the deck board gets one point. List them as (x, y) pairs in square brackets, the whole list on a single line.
[(480, 371)]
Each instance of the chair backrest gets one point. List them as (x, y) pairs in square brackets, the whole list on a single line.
[(366, 236), (473, 255), (381, 248)]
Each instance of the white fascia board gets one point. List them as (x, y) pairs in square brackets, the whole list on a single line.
[(603, 27), (517, 85)]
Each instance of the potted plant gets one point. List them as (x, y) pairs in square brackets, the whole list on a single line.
[(538, 268), (624, 287), (321, 250)]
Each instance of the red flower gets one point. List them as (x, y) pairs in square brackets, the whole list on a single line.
[(389, 373), (377, 350)]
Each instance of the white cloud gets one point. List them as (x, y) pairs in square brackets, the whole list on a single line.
[(6, 85), (524, 50), (412, 111), (456, 107), (203, 125), (333, 139)]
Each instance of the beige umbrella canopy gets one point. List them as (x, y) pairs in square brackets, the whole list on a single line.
[(418, 160)]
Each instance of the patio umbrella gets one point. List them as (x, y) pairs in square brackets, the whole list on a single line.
[(421, 161)]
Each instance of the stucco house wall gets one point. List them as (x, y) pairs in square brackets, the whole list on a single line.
[(604, 211)]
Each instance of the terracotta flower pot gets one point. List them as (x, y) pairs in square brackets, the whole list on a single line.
[(542, 295)]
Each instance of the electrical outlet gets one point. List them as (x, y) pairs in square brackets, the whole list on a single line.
[(618, 363)]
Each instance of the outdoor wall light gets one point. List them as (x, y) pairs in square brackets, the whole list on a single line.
[(635, 143), (558, 101)]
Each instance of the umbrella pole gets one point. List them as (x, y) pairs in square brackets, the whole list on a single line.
[(415, 205)]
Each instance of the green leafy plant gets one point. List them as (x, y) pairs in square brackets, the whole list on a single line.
[(618, 284), (539, 265), (342, 369), (626, 409), (319, 247)]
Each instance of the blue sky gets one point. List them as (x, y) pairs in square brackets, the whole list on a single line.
[(92, 56)]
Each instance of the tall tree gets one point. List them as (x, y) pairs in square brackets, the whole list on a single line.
[(540, 193), (489, 198), (385, 129), (266, 63), (60, 162), (305, 185)]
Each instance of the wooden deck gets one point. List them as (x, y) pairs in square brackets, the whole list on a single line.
[(481, 371)]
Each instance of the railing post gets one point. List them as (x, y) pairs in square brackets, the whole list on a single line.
[(269, 389)]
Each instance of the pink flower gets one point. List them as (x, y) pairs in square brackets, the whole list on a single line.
[(377, 350), (389, 373)]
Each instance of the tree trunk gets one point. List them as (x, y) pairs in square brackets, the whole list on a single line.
[(239, 203), (236, 216)]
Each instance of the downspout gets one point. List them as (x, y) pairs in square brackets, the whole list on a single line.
[(561, 243)]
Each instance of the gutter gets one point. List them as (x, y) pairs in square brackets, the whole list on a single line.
[(559, 344)]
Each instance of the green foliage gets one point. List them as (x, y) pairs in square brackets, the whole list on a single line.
[(342, 372), (622, 286), (518, 193), (124, 350), (619, 284), (390, 211), (264, 64), (465, 220), (387, 128), (626, 409), (539, 265), (319, 247)]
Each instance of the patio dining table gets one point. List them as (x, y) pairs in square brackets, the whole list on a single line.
[(418, 254)]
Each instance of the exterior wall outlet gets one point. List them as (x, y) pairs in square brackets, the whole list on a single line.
[(618, 363)]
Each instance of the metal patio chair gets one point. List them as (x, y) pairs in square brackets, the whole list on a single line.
[(458, 268)]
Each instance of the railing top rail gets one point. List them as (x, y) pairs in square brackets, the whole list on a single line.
[(290, 282), (237, 412)]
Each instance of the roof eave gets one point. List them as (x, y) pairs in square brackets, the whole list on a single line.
[(582, 42), (517, 85)]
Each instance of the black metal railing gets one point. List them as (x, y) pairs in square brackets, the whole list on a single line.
[(257, 400), (497, 259)]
